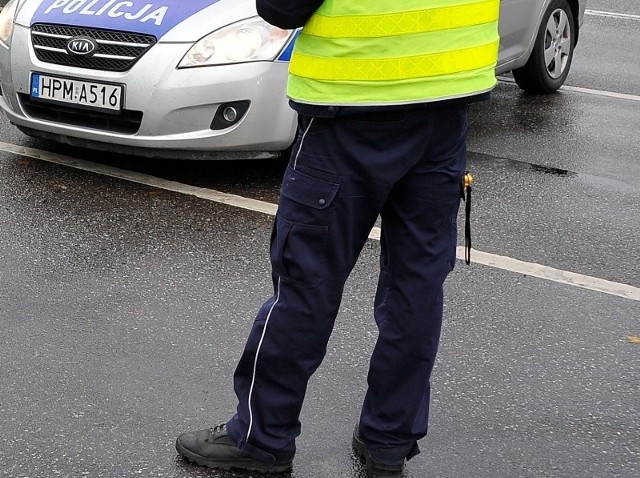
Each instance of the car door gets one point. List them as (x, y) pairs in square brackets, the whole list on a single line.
[(519, 20)]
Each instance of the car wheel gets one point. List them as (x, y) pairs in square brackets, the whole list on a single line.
[(550, 60)]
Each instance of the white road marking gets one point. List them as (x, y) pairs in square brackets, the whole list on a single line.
[(552, 274), (579, 89), (132, 176), (600, 13), (610, 94), (478, 257)]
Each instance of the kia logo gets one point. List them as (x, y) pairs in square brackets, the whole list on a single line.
[(82, 46)]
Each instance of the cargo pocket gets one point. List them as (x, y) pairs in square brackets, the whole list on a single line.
[(300, 237)]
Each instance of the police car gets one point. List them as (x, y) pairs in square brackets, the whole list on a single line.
[(199, 78)]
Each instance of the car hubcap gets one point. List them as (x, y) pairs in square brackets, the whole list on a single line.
[(557, 43)]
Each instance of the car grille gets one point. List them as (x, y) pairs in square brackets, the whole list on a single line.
[(125, 121), (117, 51)]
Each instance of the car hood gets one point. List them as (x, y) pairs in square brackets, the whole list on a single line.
[(167, 20)]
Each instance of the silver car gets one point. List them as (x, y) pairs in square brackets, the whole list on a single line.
[(203, 79)]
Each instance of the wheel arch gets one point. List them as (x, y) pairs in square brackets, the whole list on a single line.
[(575, 13)]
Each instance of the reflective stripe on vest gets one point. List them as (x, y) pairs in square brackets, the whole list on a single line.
[(403, 23), (421, 51)]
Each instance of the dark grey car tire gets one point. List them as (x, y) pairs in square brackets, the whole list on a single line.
[(550, 60)]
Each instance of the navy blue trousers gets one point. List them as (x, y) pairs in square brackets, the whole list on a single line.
[(406, 167)]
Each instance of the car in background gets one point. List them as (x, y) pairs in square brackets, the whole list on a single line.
[(200, 79)]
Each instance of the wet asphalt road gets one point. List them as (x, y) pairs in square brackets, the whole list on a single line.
[(123, 308)]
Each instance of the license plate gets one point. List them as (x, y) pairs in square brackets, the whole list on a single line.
[(76, 92)]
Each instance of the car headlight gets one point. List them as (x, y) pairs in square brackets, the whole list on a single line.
[(250, 40), (6, 21)]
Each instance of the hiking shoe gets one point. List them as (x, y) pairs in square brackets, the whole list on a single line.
[(375, 469), (214, 448)]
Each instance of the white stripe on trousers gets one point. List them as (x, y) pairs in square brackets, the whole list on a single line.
[(266, 322), (255, 361), (295, 162)]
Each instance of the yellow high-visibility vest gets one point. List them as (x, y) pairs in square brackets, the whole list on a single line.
[(378, 52)]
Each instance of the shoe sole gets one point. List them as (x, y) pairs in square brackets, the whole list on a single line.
[(374, 470), (249, 465)]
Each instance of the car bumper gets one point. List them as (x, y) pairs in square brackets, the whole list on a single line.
[(177, 106)]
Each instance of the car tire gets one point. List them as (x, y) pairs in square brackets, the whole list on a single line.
[(549, 63)]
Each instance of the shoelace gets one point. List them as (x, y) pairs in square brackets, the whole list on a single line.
[(217, 429)]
